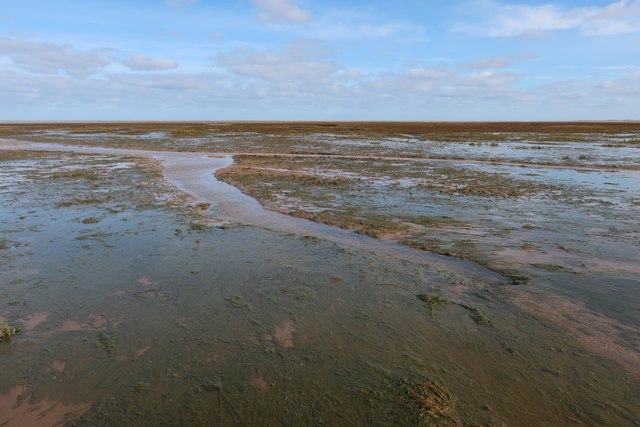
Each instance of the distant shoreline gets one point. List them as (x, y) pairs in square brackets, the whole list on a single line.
[(213, 121)]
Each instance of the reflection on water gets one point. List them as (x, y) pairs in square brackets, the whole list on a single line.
[(153, 321)]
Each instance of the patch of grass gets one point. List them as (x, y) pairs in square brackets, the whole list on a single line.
[(551, 267), (418, 402), (7, 332), (141, 387), (376, 226), (433, 245), (81, 173), (236, 301), (433, 301), (473, 182), (145, 294), (477, 316), (201, 207), (516, 279), (197, 226), (87, 201), (427, 400), (108, 343), (438, 221)]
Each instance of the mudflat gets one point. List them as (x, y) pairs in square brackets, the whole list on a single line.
[(336, 273)]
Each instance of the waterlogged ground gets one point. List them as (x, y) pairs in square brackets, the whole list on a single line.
[(573, 233), (602, 145), (135, 311)]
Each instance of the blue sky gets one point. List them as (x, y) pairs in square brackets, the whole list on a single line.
[(319, 60)]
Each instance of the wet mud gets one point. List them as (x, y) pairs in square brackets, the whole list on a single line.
[(178, 306)]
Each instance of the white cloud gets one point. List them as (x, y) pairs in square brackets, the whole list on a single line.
[(301, 61), (418, 93), (502, 20), (180, 3), (282, 11), (217, 36), (145, 63), (490, 78), (50, 58), (336, 30), (299, 80), (498, 61)]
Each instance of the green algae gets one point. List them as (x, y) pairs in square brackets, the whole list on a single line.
[(433, 301), (107, 343), (8, 332)]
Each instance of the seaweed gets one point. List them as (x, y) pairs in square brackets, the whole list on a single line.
[(7, 332), (108, 343), (83, 174), (433, 301), (236, 301), (477, 316)]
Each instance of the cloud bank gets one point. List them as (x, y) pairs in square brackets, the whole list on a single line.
[(506, 20), (282, 11), (145, 63)]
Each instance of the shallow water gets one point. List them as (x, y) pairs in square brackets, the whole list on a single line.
[(147, 317), (193, 173)]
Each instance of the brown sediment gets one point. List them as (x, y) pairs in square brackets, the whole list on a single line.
[(141, 351), (94, 322), (375, 226), (145, 281), (427, 400), (217, 357), (118, 293), (597, 332), (19, 408), (508, 257), (74, 325), (58, 365), (253, 340), (283, 334), (259, 383), (34, 320)]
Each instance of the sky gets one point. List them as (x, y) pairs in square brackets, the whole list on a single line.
[(414, 60)]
